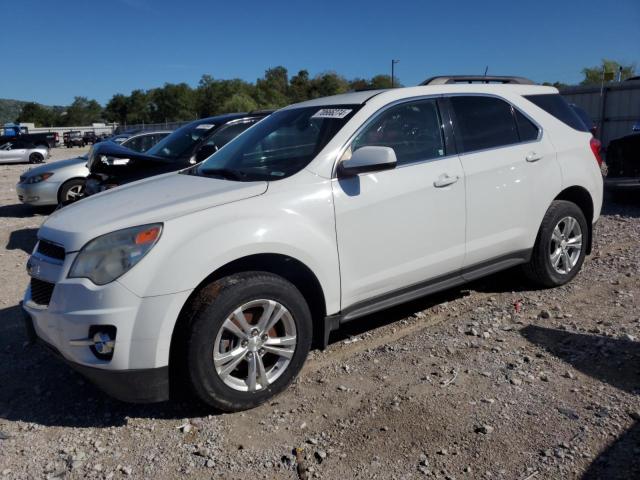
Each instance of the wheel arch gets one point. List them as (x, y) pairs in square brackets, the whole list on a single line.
[(291, 269), (62, 185), (582, 198)]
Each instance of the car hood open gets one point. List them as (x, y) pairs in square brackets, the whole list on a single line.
[(112, 149), (156, 199)]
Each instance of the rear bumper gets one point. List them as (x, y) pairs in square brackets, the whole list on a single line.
[(147, 385), (622, 184)]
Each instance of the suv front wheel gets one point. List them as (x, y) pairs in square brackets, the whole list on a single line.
[(560, 247), (247, 341)]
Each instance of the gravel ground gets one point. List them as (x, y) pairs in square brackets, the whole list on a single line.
[(489, 381)]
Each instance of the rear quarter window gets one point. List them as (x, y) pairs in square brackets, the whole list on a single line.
[(557, 106)]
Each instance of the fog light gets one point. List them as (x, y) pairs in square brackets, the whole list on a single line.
[(101, 341)]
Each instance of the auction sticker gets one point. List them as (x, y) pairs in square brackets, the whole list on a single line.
[(332, 113)]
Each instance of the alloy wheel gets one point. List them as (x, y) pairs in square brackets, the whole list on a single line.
[(74, 192), (566, 245), (255, 345)]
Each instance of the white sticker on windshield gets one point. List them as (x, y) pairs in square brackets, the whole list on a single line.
[(331, 113), (205, 126)]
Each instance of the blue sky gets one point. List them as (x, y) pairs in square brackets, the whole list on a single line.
[(53, 51)]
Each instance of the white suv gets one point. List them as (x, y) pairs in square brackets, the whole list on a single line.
[(220, 276)]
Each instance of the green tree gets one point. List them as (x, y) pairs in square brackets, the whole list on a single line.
[(384, 81), (116, 109), (37, 114), (138, 107), (212, 94), (82, 112), (329, 83), (272, 90), (239, 102), (300, 87), (171, 103), (593, 75)]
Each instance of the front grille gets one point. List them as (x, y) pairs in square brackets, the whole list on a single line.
[(22, 178), (41, 291), (50, 250)]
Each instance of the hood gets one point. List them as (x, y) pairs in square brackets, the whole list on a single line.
[(156, 199), (53, 166), (113, 149)]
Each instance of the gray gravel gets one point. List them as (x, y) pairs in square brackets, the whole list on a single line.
[(489, 381)]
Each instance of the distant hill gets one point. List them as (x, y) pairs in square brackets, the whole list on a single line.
[(10, 109)]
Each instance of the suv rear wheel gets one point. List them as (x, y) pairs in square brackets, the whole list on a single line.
[(561, 245), (247, 341)]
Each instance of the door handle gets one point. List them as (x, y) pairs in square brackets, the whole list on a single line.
[(445, 180), (533, 157)]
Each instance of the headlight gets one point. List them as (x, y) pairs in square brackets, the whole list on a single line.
[(38, 178), (109, 256)]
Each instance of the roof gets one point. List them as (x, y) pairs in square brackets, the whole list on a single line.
[(361, 97), (351, 98)]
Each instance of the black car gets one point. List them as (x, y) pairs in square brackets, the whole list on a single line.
[(623, 167), (89, 137), (73, 138), (46, 140), (111, 165)]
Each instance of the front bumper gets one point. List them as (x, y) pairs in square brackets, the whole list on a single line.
[(138, 369), (134, 386), (38, 194), (622, 184)]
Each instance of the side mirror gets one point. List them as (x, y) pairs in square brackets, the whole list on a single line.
[(368, 159), (205, 151)]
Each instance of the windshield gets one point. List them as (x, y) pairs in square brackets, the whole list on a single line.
[(278, 146), (181, 141)]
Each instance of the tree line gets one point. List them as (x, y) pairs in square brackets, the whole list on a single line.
[(179, 101)]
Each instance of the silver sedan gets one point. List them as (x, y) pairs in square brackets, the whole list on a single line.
[(22, 152), (63, 181), (53, 183)]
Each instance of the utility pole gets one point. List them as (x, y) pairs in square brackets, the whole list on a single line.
[(393, 64)]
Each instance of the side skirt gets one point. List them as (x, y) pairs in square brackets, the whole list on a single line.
[(403, 295)]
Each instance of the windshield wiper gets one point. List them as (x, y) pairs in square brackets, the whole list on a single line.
[(227, 173)]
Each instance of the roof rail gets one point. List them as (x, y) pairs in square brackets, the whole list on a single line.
[(449, 79)]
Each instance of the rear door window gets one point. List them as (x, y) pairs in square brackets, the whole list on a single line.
[(483, 122), (557, 106)]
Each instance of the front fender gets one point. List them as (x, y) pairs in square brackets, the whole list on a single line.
[(293, 218)]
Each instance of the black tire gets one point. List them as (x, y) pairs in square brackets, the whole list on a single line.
[(68, 187), (216, 304), (36, 157), (540, 270)]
